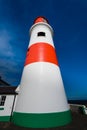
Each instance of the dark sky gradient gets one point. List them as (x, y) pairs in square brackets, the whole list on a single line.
[(69, 21)]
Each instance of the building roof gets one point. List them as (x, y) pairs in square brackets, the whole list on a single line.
[(8, 90)]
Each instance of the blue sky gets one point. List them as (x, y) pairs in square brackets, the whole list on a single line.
[(69, 21)]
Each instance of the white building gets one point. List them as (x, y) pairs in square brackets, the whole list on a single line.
[(7, 102)]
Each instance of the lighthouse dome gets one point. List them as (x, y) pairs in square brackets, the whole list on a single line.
[(40, 19)]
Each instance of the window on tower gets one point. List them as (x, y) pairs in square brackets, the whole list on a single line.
[(41, 34)]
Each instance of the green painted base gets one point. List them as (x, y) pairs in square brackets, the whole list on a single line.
[(4, 118), (41, 120)]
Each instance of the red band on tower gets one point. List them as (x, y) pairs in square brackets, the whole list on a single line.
[(41, 52)]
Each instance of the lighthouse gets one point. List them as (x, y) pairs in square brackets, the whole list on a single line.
[(42, 101)]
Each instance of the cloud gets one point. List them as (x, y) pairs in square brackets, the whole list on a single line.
[(5, 47), (10, 71), (11, 57)]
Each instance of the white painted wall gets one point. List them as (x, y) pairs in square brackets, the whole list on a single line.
[(15, 103), (7, 106), (41, 27)]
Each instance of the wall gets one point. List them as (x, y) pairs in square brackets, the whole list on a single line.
[(5, 111)]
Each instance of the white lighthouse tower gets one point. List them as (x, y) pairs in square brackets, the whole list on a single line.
[(42, 101)]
